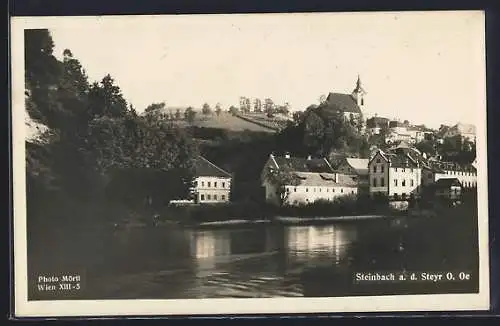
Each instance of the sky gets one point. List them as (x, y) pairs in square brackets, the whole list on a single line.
[(425, 67)]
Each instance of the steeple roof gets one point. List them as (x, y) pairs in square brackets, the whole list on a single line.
[(359, 88)]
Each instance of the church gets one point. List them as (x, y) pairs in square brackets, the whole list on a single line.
[(351, 105)]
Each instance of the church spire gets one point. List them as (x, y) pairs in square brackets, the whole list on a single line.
[(359, 89)]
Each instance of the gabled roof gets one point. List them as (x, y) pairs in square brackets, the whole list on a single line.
[(358, 164), (342, 102), (205, 168), (326, 180), (299, 164)]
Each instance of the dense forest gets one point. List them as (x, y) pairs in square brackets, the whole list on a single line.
[(92, 136)]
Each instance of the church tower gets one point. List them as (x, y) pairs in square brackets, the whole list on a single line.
[(359, 94)]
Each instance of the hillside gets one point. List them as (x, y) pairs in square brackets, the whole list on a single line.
[(227, 121)]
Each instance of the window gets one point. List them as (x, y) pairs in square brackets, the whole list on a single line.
[(403, 183), (319, 189), (403, 170), (208, 197), (202, 197), (314, 189), (352, 192), (341, 190), (203, 183), (411, 182), (196, 183), (382, 182), (395, 169), (395, 182), (411, 170), (223, 197), (208, 184), (215, 184), (223, 185), (374, 182), (295, 189), (327, 189), (382, 168), (374, 169), (307, 189)]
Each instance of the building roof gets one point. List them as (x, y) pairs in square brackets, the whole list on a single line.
[(395, 123), (441, 167), (358, 164), (342, 102), (299, 164), (376, 122), (205, 168), (447, 182), (463, 128), (326, 180), (359, 89)]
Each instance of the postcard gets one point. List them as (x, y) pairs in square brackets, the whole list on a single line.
[(249, 164)]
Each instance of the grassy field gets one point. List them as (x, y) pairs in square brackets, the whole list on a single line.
[(225, 121)]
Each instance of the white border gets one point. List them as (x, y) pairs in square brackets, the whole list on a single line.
[(399, 303)]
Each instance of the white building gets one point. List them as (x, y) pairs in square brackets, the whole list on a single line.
[(466, 175), (316, 180), (467, 131), (397, 176), (212, 184)]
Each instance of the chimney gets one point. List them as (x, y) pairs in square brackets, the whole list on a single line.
[(336, 177), (271, 155), (309, 157), (287, 155)]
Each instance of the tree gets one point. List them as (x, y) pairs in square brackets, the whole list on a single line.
[(206, 110), (322, 99), (106, 99), (269, 106), (218, 109), (282, 179), (233, 110), (155, 109), (314, 132), (189, 115), (177, 114), (298, 117)]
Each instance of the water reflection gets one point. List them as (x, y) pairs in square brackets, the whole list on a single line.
[(313, 245)]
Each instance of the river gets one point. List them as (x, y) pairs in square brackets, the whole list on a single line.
[(171, 262)]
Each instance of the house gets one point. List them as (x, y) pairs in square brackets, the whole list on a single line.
[(396, 175), (375, 125), (434, 171), (467, 131), (351, 105), (448, 189), (356, 167), (212, 184), (313, 179)]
